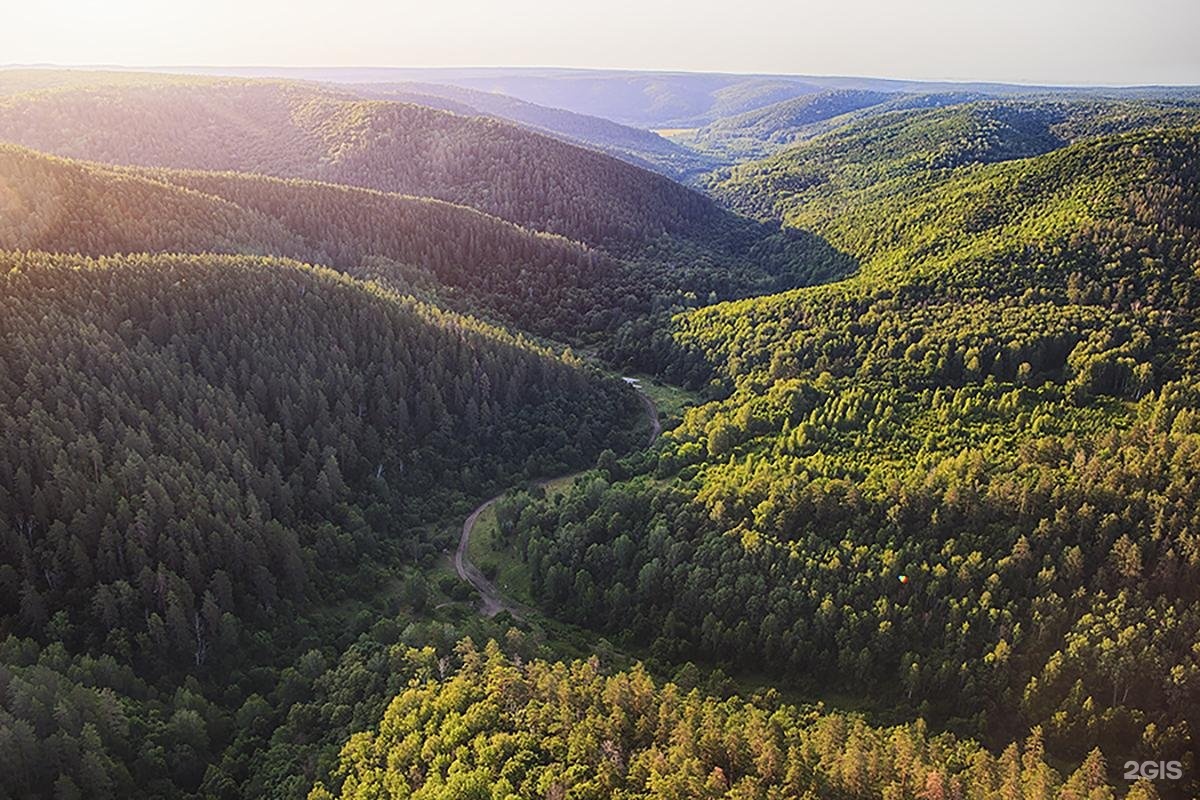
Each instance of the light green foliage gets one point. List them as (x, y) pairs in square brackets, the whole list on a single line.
[(1000, 406), (499, 729)]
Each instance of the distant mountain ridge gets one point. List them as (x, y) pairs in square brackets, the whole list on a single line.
[(759, 131), (635, 145), (295, 131), (882, 149), (664, 99)]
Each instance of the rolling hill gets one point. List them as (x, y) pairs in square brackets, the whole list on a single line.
[(883, 154), (953, 469), (635, 145), (196, 451), (760, 131), (296, 131), (936, 463), (544, 283), (541, 282), (678, 237)]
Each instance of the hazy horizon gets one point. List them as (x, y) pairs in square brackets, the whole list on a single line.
[(1063, 43), (271, 70)]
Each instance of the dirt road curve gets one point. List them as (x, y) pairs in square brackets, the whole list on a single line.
[(651, 411), (492, 602)]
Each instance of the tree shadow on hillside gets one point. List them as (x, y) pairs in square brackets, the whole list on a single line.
[(795, 257)]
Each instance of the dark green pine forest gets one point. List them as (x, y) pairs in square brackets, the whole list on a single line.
[(923, 521)]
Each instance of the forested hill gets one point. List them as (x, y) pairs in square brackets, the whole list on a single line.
[(503, 728), (1077, 267), (293, 387), (762, 130), (297, 131), (636, 145), (196, 449), (962, 481), (993, 230), (543, 283), (887, 152)]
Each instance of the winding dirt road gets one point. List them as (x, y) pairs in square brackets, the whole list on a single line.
[(492, 601), (651, 411)]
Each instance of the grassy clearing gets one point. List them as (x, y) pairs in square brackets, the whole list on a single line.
[(671, 401), (487, 551), (669, 133), (560, 485)]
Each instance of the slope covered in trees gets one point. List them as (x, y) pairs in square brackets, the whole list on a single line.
[(755, 133), (195, 448), (999, 408), (278, 393), (680, 248), (893, 151), (543, 283), (635, 145), (958, 485), (298, 131), (503, 728)]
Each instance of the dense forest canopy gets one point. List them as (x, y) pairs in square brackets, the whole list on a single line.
[(412, 243), (385, 402), (928, 494), (500, 728), (899, 143), (542, 283), (194, 446), (999, 407), (297, 131)]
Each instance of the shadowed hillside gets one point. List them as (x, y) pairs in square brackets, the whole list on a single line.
[(295, 131), (544, 283)]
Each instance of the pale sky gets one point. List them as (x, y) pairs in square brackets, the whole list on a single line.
[(1029, 41)]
